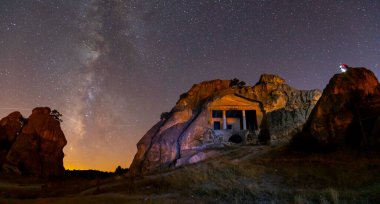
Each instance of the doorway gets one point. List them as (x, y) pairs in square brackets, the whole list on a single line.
[(216, 125), (251, 120)]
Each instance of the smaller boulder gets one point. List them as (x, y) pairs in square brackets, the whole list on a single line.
[(10, 128), (38, 149)]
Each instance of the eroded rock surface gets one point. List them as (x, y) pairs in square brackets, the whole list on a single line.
[(347, 114), (181, 134), (34, 145), (10, 128)]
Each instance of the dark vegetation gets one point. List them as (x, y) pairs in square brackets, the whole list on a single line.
[(87, 174), (237, 83), (95, 174), (56, 115), (165, 116), (121, 171)]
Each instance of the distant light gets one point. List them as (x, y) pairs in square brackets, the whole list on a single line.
[(343, 67)]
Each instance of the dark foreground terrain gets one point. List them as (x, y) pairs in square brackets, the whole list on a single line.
[(247, 174)]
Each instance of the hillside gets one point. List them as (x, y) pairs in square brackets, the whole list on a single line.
[(239, 175)]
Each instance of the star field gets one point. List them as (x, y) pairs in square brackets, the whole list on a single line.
[(111, 67)]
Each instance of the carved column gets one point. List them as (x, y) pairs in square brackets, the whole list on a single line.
[(244, 120), (224, 120)]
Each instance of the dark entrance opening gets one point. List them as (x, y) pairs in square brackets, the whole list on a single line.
[(235, 139), (251, 119), (217, 114), (216, 125), (235, 114), (229, 126)]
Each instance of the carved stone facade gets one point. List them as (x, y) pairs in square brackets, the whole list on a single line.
[(233, 116), (215, 113)]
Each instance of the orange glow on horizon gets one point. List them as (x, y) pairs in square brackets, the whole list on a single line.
[(106, 166)]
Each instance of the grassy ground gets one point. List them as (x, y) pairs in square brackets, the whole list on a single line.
[(248, 174)]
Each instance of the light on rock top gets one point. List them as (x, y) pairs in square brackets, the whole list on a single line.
[(343, 67)]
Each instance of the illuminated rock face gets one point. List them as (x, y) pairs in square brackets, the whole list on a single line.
[(211, 112), (347, 114), (36, 144)]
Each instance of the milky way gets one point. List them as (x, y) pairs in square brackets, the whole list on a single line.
[(111, 67)]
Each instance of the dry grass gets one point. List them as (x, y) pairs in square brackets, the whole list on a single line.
[(244, 175), (279, 176)]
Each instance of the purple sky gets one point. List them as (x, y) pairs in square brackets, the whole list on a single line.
[(111, 67)]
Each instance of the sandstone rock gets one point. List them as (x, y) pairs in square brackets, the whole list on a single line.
[(38, 149), (185, 131), (285, 122), (271, 79), (10, 127), (347, 113)]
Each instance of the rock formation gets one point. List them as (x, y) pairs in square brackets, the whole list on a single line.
[(33, 146), (181, 135), (347, 114), (10, 127), (287, 109)]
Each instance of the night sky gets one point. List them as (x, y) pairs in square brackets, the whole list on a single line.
[(111, 67)]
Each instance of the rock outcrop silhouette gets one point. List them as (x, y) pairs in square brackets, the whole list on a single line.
[(182, 135), (32, 146), (347, 114), (10, 127)]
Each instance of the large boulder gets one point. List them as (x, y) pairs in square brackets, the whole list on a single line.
[(10, 128), (182, 133), (36, 147), (347, 114)]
